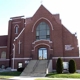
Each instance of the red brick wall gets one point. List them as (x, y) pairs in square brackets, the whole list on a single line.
[(70, 39)]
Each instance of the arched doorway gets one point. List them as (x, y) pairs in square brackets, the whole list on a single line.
[(42, 53)]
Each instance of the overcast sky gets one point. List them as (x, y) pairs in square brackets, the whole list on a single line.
[(69, 11)]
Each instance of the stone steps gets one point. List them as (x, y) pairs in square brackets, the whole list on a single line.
[(29, 67), (36, 68)]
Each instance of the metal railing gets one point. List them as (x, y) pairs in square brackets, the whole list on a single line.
[(35, 66)]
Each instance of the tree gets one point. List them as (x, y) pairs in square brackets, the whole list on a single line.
[(59, 65), (72, 66)]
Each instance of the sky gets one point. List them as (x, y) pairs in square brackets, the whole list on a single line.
[(69, 11)]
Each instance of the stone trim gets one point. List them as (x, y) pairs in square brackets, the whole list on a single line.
[(4, 59), (40, 19), (3, 46), (42, 44), (41, 40), (20, 58), (66, 57)]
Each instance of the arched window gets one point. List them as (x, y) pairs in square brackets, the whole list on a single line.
[(42, 31), (16, 29), (3, 55)]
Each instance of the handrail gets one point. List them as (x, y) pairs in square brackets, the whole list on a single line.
[(35, 66), (47, 66), (48, 63)]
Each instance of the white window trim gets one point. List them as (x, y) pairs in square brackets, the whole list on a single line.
[(16, 28), (44, 19), (41, 40)]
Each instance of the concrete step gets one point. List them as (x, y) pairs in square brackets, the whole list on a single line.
[(35, 75), (29, 67), (36, 68), (41, 67)]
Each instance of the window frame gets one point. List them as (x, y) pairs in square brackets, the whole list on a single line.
[(19, 63), (2, 56), (16, 28), (45, 31)]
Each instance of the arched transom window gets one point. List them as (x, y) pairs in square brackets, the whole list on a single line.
[(42, 31)]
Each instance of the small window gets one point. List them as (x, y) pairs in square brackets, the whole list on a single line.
[(16, 30), (19, 65), (3, 55)]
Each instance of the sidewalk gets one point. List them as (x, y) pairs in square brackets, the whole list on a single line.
[(33, 78), (23, 78)]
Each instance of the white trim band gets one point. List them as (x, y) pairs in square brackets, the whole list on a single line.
[(41, 40), (3, 46), (66, 57), (4, 59), (20, 58)]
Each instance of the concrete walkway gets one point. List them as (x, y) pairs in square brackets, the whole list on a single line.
[(33, 78)]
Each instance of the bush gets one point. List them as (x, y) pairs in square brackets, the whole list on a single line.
[(59, 65), (20, 69), (72, 66)]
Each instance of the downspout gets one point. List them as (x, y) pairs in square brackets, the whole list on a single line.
[(13, 56)]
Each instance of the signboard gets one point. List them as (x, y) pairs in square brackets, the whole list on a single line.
[(65, 65), (68, 47), (26, 62)]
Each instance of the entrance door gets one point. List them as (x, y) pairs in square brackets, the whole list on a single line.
[(42, 53)]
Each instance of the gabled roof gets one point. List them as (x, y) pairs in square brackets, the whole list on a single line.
[(41, 10)]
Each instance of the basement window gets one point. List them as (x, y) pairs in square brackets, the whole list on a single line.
[(19, 65)]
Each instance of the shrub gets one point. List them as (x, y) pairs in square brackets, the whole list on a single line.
[(20, 69), (72, 66), (59, 65)]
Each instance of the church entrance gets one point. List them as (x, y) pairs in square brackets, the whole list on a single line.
[(42, 53)]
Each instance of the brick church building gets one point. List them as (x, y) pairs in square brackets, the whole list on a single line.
[(39, 37)]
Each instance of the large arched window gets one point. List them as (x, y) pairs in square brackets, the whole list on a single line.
[(42, 31)]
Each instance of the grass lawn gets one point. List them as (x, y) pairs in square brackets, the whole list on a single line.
[(65, 75), (9, 74), (55, 75)]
